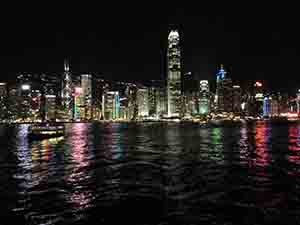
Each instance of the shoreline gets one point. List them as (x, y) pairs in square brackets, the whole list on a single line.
[(166, 121)]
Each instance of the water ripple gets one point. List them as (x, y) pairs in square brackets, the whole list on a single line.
[(152, 174)]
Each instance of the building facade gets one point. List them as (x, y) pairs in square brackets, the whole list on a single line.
[(143, 102), (66, 92), (86, 96), (237, 99), (223, 92), (111, 105), (174, 97), (204, 98)]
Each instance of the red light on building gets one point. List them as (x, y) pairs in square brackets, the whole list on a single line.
[(77, 91), (292, 114), (258, 84)]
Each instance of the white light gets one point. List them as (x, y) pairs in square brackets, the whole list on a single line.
[(173, 33), (50, 96), (113, 92), (25, 87), (203, 82), (243, 105)]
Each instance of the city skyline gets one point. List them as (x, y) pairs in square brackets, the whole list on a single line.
[(263, 46)]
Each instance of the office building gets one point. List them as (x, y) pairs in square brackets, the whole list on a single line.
[(204, 98), (3, 90), (110, 105), (50, 107), (174, 98), (237, 99), (66, 92), (223, 92), (153, 101), (86, 95), (258, 99), (143, 102)]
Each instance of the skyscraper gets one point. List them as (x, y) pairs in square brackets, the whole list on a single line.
[(174, 75), (298, 101), (143, 102), (236, 99), (258, 98), (50, 107), (111, 105), (190, 94), (152, 101), (204, 97), (66, 93), (86, 95), (224, 91), (3, 90)]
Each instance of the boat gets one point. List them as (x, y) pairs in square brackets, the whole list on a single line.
[(45, 131)]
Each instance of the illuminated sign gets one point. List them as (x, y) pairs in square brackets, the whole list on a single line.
[(25, 87)]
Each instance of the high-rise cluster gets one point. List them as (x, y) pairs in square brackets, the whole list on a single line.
[(182, 95)]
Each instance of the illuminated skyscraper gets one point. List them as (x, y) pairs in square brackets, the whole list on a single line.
[(50, 107), (223, 92), (152, 101), (236, 99), (204, 97), (190, 95), (111, 105), (258, 98), (266, 106), (86, 95), (143, 102), (3, 101), (3, 90), (161, 101), (66, 93), (174, 75), (298, 101)]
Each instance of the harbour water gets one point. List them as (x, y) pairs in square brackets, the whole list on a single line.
[(152, 173)]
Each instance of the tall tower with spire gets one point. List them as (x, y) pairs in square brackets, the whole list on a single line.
[(224, 101), (66, 93), (174, 75)]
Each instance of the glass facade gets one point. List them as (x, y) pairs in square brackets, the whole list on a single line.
[(174, 75)]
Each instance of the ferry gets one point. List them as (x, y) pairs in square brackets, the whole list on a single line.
[(45, 131)]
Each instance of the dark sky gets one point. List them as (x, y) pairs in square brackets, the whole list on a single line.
[(126, 41)]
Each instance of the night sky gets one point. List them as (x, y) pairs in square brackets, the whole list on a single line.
[(127, 42)]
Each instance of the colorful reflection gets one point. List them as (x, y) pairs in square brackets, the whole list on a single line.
[(243, 143), (216, 135), (24, 173), (77, 173), (113, 139), (262, 142), (294, 144), (217, 153), (42, 156)]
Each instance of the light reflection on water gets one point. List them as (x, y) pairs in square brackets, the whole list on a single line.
[(165, 172)]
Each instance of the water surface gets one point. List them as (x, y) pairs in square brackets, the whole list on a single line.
[(152, 173)]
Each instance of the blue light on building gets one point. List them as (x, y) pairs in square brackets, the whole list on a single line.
[(221, 73), (266, 107)]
